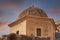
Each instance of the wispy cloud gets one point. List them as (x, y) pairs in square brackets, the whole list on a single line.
[(8, 6), (11, 3), (4, 24), (54, 11), (2, 30)]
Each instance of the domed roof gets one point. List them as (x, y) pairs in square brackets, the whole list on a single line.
[(33, 11)]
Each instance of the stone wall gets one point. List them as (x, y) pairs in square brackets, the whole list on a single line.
[(32, 38)]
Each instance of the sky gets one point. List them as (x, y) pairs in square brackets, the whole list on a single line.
[(10, 10)]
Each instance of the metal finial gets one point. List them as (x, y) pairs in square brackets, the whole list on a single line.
[(32, 6)]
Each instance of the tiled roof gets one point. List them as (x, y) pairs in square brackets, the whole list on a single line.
[(33, 11)]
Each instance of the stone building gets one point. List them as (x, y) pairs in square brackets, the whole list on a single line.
[(57, 26), (34, 21), (57, 34)]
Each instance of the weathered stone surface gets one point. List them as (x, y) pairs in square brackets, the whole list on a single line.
[(33, 11), (31, 19)]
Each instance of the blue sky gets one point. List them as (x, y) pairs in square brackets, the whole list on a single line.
[(10, 10)]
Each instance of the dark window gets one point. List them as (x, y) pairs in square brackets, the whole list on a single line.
[(38, 32)]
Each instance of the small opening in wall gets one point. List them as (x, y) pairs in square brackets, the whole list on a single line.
[(38, 31)]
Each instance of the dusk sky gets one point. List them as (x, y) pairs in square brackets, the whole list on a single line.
[(10, 9)]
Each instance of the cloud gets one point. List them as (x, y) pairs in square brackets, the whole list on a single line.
[(12, 3), (54, 11), (8, 6), (4, 24), (16, 11), (2, 30), (17, 1), (2, 14)]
